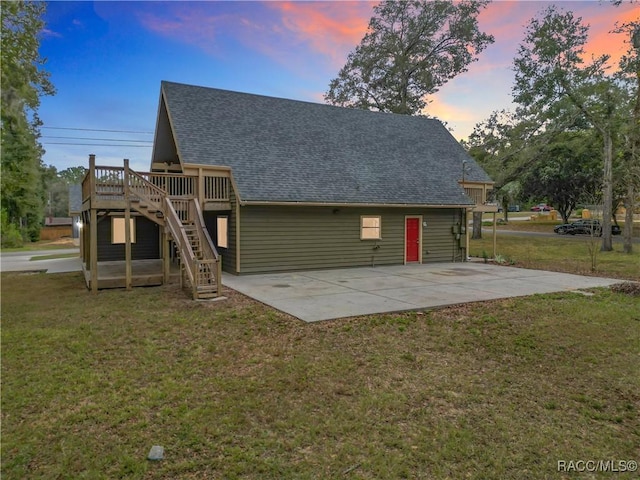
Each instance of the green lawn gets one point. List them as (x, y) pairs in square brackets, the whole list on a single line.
[(234, 389), (43, 245), (53, 256), (564, 254)]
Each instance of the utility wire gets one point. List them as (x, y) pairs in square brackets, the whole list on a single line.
[(95, 130), (104, 139), (98, 144)]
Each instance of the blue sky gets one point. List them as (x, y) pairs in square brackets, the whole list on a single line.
[(107, 60)]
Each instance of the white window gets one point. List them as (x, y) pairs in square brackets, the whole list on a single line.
[(222, 226), (370, 227), (117, 230)]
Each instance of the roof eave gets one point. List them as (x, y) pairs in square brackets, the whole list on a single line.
[(248, 203)]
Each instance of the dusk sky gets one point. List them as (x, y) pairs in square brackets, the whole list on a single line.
[(107, 60)]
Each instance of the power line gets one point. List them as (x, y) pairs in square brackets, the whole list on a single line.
[(96, 130), (98, 144), (104, 139)]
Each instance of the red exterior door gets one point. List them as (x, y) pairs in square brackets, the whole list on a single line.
[(412, 239)]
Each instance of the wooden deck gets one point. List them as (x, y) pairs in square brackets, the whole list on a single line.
[(143, 273)]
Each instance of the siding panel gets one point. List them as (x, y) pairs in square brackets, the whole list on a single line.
[(439, 243), (296, 238)]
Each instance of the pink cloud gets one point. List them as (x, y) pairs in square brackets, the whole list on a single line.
[(186, 23), (507, 22), (331, 29), (601, 40)]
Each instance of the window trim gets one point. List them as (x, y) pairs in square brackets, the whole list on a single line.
[(118, 235), (364, 228), (219, 230)]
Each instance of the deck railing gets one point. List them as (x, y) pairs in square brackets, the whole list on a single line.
[(216, 189), (476, 194), (108, 184), (176, 185), (181, 207)]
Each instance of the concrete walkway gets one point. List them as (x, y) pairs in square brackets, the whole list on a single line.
[(327, 294), (22, 261)]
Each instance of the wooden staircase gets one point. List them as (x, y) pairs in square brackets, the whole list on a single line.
[(200, 263), (206, 270)]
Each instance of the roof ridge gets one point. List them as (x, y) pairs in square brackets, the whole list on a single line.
[(308, 102)]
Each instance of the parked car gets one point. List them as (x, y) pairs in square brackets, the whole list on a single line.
[(541, 207), (584, 227), (513, 208)]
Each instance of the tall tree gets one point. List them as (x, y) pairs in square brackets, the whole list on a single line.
[(23, 83), (629, 74), (564, 170), (550, 68), (502, 145), (410, 50), (57, 188)]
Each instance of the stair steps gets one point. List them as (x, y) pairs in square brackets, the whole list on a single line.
[(151, 201)]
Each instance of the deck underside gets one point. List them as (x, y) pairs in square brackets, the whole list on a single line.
[(143, 273)]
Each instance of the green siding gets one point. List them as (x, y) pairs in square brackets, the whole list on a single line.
[(438, 240), (295, 238), (229, 254)]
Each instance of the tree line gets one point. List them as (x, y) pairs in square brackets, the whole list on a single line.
[(575, 133), (30, 189), (573, 137)]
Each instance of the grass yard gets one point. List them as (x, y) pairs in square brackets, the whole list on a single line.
[(541, 225), (53, 256), (561, 254), (235, 389), (43, 245)]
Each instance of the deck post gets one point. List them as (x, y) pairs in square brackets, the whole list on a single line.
[(93, 249), (165, 257), (81, 237), (219, 276), (92, 180), (200, 194), (127, 226), (84, 240), (92, 258)]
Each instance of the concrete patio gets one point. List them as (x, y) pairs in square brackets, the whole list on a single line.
[(328, 294)]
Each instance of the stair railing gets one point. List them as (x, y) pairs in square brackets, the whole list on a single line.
[(198, 219), (205, 271), (179, 235), (210, 265), (145, 190)]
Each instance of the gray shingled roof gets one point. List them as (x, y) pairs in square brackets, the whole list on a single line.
[(291, 151)]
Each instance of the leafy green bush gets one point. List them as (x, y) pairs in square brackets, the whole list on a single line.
[(10, 236)]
